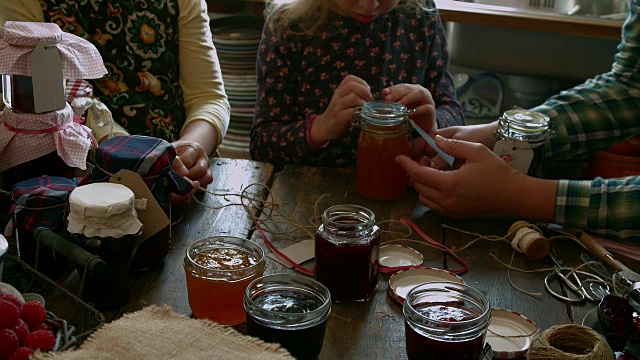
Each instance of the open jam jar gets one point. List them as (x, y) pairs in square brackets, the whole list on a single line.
[(383, 136), (288, 309), (445, 320), (218, 270), (347, 252)]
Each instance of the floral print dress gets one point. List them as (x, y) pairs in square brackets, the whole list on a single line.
[(138, 41), (298, 74)]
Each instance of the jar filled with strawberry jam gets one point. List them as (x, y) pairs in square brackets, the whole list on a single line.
[(383, 136), (288, 309), (218, 270), (347, 252), (445, 320)]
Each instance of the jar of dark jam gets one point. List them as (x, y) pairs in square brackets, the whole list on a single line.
[(17, 93), (529, 126), (102, 220), (445, 320), (347, 252), (288, 309), (383, 136)]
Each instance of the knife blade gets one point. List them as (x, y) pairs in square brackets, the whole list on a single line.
[(448, 158)]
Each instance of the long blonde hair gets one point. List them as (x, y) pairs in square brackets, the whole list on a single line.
[(309, 14)]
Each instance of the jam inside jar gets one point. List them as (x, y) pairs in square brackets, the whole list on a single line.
[(288, 309), (218, 270), (347, 252), (445, 320), (383, 136)]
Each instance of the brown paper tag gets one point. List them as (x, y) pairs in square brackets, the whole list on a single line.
[(46, 76), (299, 253), (152, 217)]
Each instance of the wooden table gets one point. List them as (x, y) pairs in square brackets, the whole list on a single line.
[(372, 330)]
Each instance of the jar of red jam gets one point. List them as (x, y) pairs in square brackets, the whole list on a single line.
[(445, 320), (383, 136), (288, 309), (218, 270), (347, 252)]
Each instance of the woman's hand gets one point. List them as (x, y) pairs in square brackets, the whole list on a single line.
[(352, 92), (484, 186), (415, 97), (192, 163)]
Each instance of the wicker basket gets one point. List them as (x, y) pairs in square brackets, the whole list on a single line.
[(71, 319)]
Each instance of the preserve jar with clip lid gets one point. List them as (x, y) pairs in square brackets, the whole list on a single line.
[(524, 131), (383, 136)]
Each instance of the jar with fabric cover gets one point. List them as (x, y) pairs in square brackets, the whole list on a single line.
[(151, 158), (103, 220), (51, 143), (383, 136)]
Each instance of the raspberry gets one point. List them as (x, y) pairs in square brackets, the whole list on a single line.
[(9, 315), (8, 343), (22, 353), (42, 326), (22, 330), (33, 313), (40, 339), (12, 299)]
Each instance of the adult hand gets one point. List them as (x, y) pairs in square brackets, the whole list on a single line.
[(192, 163), (481, 187), (416, 97), (351, 93)]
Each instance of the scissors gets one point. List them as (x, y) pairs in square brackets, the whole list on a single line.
[(572, 282)]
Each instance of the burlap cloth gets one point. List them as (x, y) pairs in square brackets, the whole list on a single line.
[(156, 333)]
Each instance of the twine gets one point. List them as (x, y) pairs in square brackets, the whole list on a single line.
[(569, 342)]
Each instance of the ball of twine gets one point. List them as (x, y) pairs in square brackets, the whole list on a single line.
[(570, 341)]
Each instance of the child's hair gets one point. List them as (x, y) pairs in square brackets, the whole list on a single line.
[(307, 15)]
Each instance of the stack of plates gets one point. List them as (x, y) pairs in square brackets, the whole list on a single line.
[(237, 39)]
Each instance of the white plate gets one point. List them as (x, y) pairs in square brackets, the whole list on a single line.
[(399, 255), (509, 323), (403, 281)]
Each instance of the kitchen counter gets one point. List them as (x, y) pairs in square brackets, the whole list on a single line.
[(478, 14)]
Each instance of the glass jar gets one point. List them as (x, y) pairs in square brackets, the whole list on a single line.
[(347, 252), (218, 270), (529, 126), (383, 136), (102, 220), (288, 309), (17, 93), (446, 320)]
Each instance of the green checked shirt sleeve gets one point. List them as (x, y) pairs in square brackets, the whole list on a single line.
[(592, 117)]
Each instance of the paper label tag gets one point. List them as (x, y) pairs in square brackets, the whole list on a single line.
[(46, 75), (516, 153), (299, 253), (152, 217)]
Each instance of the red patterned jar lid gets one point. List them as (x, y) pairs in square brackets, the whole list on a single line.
[(510, 334)]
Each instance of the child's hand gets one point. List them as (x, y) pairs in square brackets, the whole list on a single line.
[(351, 93), (416, 97)]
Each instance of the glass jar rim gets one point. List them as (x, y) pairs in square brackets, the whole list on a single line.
[(449, 285), (526, 119), (223, 239), (333, 214), (284, 281), (384, 113)]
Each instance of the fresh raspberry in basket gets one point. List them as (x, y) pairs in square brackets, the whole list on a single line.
[(41, 339), (8, 343), (21, 353), (22, 330), (12, 299), (33, 313), (9, 315), (42, 326)]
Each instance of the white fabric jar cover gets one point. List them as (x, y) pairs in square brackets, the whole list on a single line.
[(103, 210)]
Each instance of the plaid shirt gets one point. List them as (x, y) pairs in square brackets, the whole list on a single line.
[(592, 117)]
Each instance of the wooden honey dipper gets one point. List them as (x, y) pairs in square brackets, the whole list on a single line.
[(527, 240)]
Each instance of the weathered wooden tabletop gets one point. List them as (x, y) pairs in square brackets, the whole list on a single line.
[(374, 329)]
